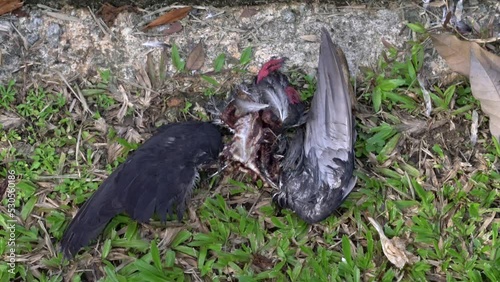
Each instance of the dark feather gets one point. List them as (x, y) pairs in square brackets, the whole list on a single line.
[(323, 177), (158, 177)]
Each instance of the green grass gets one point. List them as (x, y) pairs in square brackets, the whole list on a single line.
[(439, 195)]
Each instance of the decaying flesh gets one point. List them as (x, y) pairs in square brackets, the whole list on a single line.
[(257, 114)]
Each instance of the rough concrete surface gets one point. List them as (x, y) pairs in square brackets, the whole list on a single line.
[(148, 3), (45, 43)]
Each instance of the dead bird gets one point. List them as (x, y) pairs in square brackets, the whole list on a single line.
[(258, 113), (157, 178), (317, 169)]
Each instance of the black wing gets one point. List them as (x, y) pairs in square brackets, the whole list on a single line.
[(158, 177)]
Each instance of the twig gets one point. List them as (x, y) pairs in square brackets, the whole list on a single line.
[(78, 95), (77, 150), (104, 28), (63, 17)]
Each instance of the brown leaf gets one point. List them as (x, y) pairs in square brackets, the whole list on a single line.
[(248, 12), (171, 16), (387, 44), (109, 12), (485, 85), (114, 150), (447, 19), (261, 262), (7, 6), (483, 69), (173, 28), (20, 13), (174, 102), (196, 58), (454, 51)]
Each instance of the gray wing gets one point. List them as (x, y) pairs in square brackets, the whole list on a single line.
[(317, 170), (330, 135)]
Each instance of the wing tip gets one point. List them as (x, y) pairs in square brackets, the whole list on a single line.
[(69, 246)]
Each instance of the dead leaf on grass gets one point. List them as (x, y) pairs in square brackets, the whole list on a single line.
[(261, 263), (482, 68), (114, 150), (171, 16), (10, 120), (126, 104), (454, 51), (7, 6), (196, 58), (132, 136), (101, 125), (394, 249), (485, 86)]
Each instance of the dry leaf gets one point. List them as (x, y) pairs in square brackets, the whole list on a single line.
[(196, 58), (101, 125), (387, 44), (171, 16), (394, 249), (483, 69), (7, 6), (125, 104), (485, 85), (132, 136), (447, 19), (174, 102), (261, 263), (3, 187), (473, 127), (109, 12), (9, 121), (114, 150), (248, 12), (173, 28), (427, 96), (454, 51), (20, 13)]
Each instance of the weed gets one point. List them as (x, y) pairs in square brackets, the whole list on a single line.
[(177, 62), (219, 62), (7, 94)]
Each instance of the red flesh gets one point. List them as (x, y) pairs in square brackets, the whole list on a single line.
[(269, 67)]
